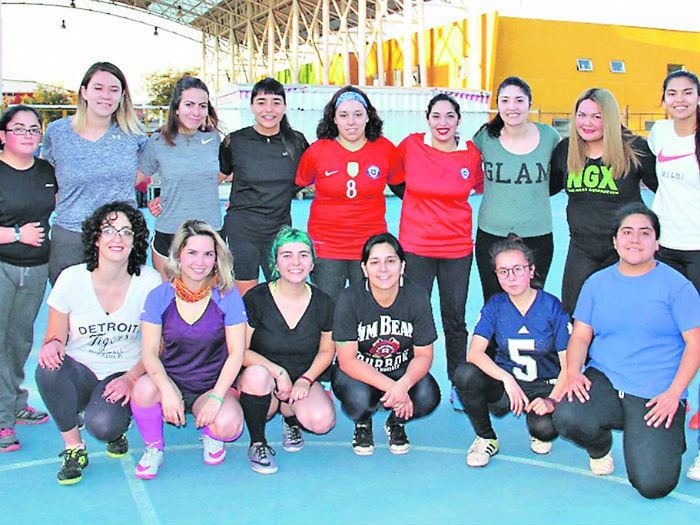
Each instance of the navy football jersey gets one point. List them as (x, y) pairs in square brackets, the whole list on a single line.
[(528, 345)]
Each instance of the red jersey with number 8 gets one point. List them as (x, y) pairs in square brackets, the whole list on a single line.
[(349, 205)]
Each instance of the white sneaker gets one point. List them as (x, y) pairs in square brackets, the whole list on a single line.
[(694, 470), (150, 462), (481, 450), (603, 466), (540, 447), (214, 451)]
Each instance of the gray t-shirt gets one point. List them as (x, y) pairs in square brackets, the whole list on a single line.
[(189, 173), (90, 174), (516, 187)]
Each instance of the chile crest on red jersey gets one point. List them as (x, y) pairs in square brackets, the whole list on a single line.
[(373, 172)]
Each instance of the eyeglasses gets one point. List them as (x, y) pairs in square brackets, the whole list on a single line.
[(517, 271), (111, 232), (19, 131)]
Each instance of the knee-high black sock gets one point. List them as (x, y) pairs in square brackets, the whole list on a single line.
[(255, 414)]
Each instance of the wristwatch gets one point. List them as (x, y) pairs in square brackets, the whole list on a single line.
[(18, 235)]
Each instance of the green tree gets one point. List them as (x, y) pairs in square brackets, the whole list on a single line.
[(51, 95), (160, 85)]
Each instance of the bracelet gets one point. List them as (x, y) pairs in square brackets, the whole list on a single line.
[(54, 338), (18, 234), (214, 396), (554, 401), (131, 377), (306, 379)]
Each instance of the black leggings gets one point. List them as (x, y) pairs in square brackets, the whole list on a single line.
[(584, 258), (360, 401), (652, 455), (542, 247), (73, 388), (481, 393)]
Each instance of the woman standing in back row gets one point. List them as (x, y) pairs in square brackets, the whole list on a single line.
[(676, 144), (349, 165), (600, 165), (516, 153), (185, 153), (262, 160), (439, 173), (95, 154)]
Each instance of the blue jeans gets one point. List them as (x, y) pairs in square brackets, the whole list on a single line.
[(652, 455)]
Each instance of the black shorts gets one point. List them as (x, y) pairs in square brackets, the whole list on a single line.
[(249, 257), (190, 397), (161, 243)]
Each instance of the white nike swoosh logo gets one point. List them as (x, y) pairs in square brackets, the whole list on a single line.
[(206, 141), (329, 173)]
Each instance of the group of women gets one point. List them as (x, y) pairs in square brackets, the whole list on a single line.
[(232, 351)]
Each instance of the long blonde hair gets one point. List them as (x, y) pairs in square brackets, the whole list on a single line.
[(124, 116), (223, 269), (618, 152)]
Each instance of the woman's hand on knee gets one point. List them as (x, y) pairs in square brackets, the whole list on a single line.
[(541, 406), (173, 406), (577, 385), (51, 354), (300, 390), (207, 414), (397, 399), (663, 409), (118, 388), (518, 399)]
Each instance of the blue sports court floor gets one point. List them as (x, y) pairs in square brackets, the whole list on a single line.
[(327, 483)]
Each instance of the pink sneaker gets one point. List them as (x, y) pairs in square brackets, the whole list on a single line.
[(8, 440), (30, 416)]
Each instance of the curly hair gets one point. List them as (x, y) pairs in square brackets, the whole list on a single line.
[(328, 130), (104, 215)]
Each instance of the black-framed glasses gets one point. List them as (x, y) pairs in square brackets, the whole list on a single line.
[(517, 270), (111, 232), (21, 131)]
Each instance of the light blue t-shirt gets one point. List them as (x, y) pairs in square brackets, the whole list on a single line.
[(637, 326), (90, 174), (516, 187), (189, 178)]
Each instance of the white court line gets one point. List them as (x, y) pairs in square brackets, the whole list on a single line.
[(143, 502), (686, 498)]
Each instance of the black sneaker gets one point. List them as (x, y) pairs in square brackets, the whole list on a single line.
[(118, 448), (398, 440), (74, 461), (363, 440)]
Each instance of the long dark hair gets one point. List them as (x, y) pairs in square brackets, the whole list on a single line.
[(92, 229), (681, 73), (172, 127), (495, 125), (328, 130), (292, 143)]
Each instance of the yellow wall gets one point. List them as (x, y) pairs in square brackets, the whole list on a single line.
[(544, 53)]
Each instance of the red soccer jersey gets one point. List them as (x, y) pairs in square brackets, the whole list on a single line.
[(436, 219), (349, 205)]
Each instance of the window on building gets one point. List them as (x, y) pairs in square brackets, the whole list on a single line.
[(617, 66), (670, 68), (584, 64), (561, 125)]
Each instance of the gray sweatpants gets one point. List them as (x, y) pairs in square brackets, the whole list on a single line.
[(21, 293)]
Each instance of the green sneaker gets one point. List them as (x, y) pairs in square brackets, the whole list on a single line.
[(118, 448), (74, 461)]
